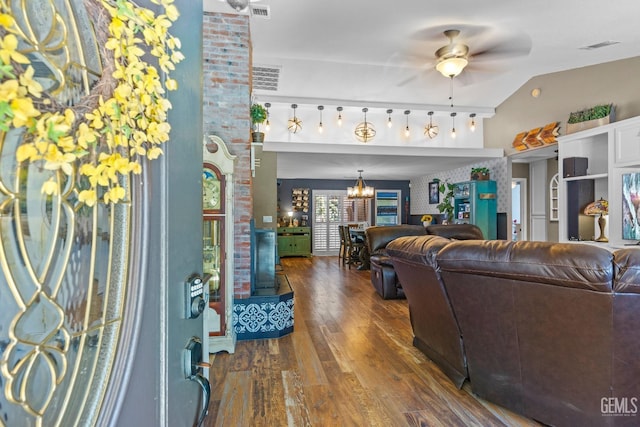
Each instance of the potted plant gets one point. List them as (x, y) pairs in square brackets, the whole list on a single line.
[(590, 118), (446, 205), (480, 174), (258, 116)]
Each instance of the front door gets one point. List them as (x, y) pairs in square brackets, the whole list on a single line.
[(93, 328)]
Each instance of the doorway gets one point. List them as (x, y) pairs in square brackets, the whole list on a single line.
[(519, 209), (332, 208)]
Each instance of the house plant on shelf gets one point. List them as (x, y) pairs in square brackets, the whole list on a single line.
[(258, 116), (591, 117), (480, 174), (446, 207)]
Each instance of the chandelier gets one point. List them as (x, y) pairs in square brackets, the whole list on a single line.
[(365, 131), (360, 190)]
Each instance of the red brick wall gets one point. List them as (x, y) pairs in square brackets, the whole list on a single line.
[(226, 98)]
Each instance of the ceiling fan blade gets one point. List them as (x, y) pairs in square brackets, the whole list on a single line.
[(508, 47), (407, 80)]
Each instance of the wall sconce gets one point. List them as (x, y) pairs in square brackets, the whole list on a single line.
[(339, 116), (320, 108), (365, 131), (267, 124), (407, 133), (430, 130), (295, 124), (472, 126), (389, 111), (453, 125)]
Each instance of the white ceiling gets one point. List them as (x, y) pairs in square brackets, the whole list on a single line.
[(381, 51)]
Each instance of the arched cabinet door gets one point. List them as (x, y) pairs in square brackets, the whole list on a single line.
[(218, 242)]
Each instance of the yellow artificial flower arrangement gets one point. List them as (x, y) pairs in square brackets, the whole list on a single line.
[(127, 125), (426, 218)]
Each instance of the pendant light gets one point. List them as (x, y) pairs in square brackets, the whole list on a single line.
[(360, 190), (267, 124), (407, 133), (472, 126), (431, 130), (365, 131), (294, 124), (389, 111), (320, 108), (339, 115), (453, 125)]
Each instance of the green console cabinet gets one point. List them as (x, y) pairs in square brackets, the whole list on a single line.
[(294, 241)]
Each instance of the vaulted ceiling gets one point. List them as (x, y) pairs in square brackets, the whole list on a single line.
[(361, 51)]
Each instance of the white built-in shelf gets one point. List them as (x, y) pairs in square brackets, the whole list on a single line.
[(594, 176)]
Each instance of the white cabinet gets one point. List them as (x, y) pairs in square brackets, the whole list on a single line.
[(627, 145), (611, 151)]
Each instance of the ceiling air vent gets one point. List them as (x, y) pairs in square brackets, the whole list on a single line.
[(260, 11), (599, 45), (265, 77)]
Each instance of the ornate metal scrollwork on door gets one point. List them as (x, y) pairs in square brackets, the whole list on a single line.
[(63, 263)]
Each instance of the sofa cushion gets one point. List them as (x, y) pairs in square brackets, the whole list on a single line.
[(573, 265), (456, 231), (379, 236), (627, 265), (417, 249)]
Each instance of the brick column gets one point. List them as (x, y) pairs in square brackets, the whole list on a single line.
[(227, 98)]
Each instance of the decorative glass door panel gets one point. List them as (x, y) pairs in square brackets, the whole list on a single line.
[(65, 265)]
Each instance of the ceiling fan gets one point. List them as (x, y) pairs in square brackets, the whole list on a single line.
[(486, 45), (452, 58)]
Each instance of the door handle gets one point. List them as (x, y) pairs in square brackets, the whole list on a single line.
[(193, 365)]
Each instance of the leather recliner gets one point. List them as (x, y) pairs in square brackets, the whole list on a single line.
[(383, 276)]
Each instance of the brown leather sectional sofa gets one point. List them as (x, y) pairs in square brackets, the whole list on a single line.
[(383, 277), (549, 330)]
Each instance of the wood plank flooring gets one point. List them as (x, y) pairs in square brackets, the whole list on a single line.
[(349, 362)]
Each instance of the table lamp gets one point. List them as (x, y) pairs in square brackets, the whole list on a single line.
[(599, 207), (290, 218)]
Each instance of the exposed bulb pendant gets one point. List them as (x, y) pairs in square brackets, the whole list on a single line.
[(267, 124), (360, 190), (339, 116), (389, 124), (472, 126), (407, 133), (365, 131), (320, 108), (453, 125), (294, 124)]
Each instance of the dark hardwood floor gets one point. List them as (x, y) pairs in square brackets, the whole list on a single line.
[(349, 362)]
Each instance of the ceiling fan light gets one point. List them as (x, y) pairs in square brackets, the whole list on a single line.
[(238, 5), (451, 67)]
